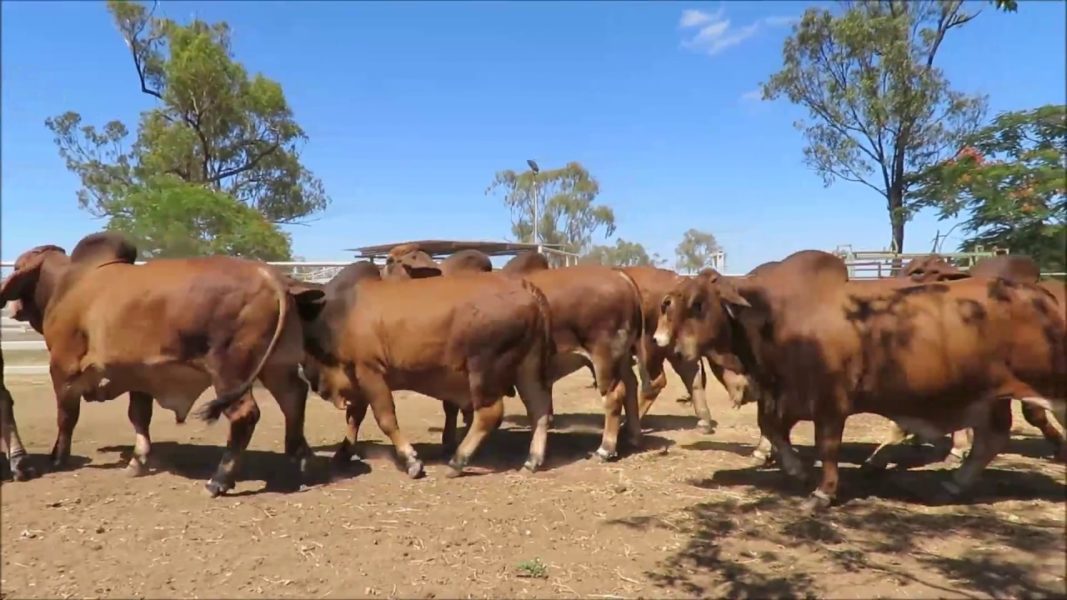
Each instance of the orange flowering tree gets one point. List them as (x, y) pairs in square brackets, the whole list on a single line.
[(1010, 181)]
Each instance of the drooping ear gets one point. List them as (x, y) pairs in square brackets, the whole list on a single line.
[(309, 301), (729, 293), (21, 279)]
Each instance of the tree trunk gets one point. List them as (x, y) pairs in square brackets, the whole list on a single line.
[(896, 221)]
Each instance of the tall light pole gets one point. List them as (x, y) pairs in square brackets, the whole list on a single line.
[(533, 194)]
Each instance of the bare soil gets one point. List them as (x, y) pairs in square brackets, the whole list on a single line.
[(685, 516)]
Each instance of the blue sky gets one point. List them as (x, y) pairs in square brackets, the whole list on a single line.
[(412, 106)]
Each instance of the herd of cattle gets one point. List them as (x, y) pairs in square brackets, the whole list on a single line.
[(935, 350)]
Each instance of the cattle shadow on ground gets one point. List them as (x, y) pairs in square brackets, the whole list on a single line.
[(42, 465), (742, 548), (198, 462), (920, 487), (506, 449)]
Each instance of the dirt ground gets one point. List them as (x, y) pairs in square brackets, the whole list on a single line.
[(686, 516)]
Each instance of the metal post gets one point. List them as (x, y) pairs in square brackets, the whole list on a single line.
[(534, 192)]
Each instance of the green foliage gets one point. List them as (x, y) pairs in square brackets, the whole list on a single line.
[(534, 569), (695, 251), (881, 110), (170, 218), (622, 254), (565, 199), (1010, 180), (1006, 5), (214, 126)]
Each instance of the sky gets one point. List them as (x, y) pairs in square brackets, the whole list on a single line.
[(411, 107)]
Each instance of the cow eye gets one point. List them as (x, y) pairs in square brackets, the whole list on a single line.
[(665, 306), (697, 307)]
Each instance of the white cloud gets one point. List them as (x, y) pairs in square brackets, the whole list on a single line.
[(752, 95), (716, 33)]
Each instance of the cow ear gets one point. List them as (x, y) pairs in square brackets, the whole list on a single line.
[(729, 293), (954, 275), (17, 282)]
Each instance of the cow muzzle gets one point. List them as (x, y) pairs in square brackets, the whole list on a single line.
[(662, 337)]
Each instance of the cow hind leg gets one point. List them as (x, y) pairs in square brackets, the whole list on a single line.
[(140, 414), (290, 391), (243, 416), (68, 410), (355, 412), (1038, 417), (487, 418), (380, 398), (21, 470), (448, 433), (695, 380), (990, 438)]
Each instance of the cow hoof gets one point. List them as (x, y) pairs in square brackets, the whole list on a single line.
[(21, 470), (816, 502), (705, 427), (604, 455), (217, 488), (415, 470), (533, 463), (136, 469)]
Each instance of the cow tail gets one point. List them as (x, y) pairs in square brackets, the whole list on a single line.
[(641, 325), (548, 347), (214, 409)]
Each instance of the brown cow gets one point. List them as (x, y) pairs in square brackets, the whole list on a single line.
[(597, 317), (408, 261), (654, 283), (1012, 267), (526, 262), (934, 357), (168, 329), (480, 336), (466, 261)]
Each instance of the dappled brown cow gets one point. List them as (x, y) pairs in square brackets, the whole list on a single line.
[(168, 329), (464, 340), (934, 357), (1012, 267), (597, 318), (654, 283)]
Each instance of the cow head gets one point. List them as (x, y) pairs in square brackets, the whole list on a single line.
[(929, 269), (323, 313), (30, 287), (696, 320), (407, 261)]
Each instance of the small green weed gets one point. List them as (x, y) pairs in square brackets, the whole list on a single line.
[(532, 568)]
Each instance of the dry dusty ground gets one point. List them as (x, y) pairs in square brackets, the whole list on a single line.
[(684, 517)]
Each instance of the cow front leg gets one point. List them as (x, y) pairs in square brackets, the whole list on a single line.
[(21, 470), (990, 438), (536, 394), (828, 431), (695, 380), (777, 432), (962, 439), (243, 416), (291, 392), (68, 410), (140, 414), (355, 412), (380, 398), (448, 433)]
